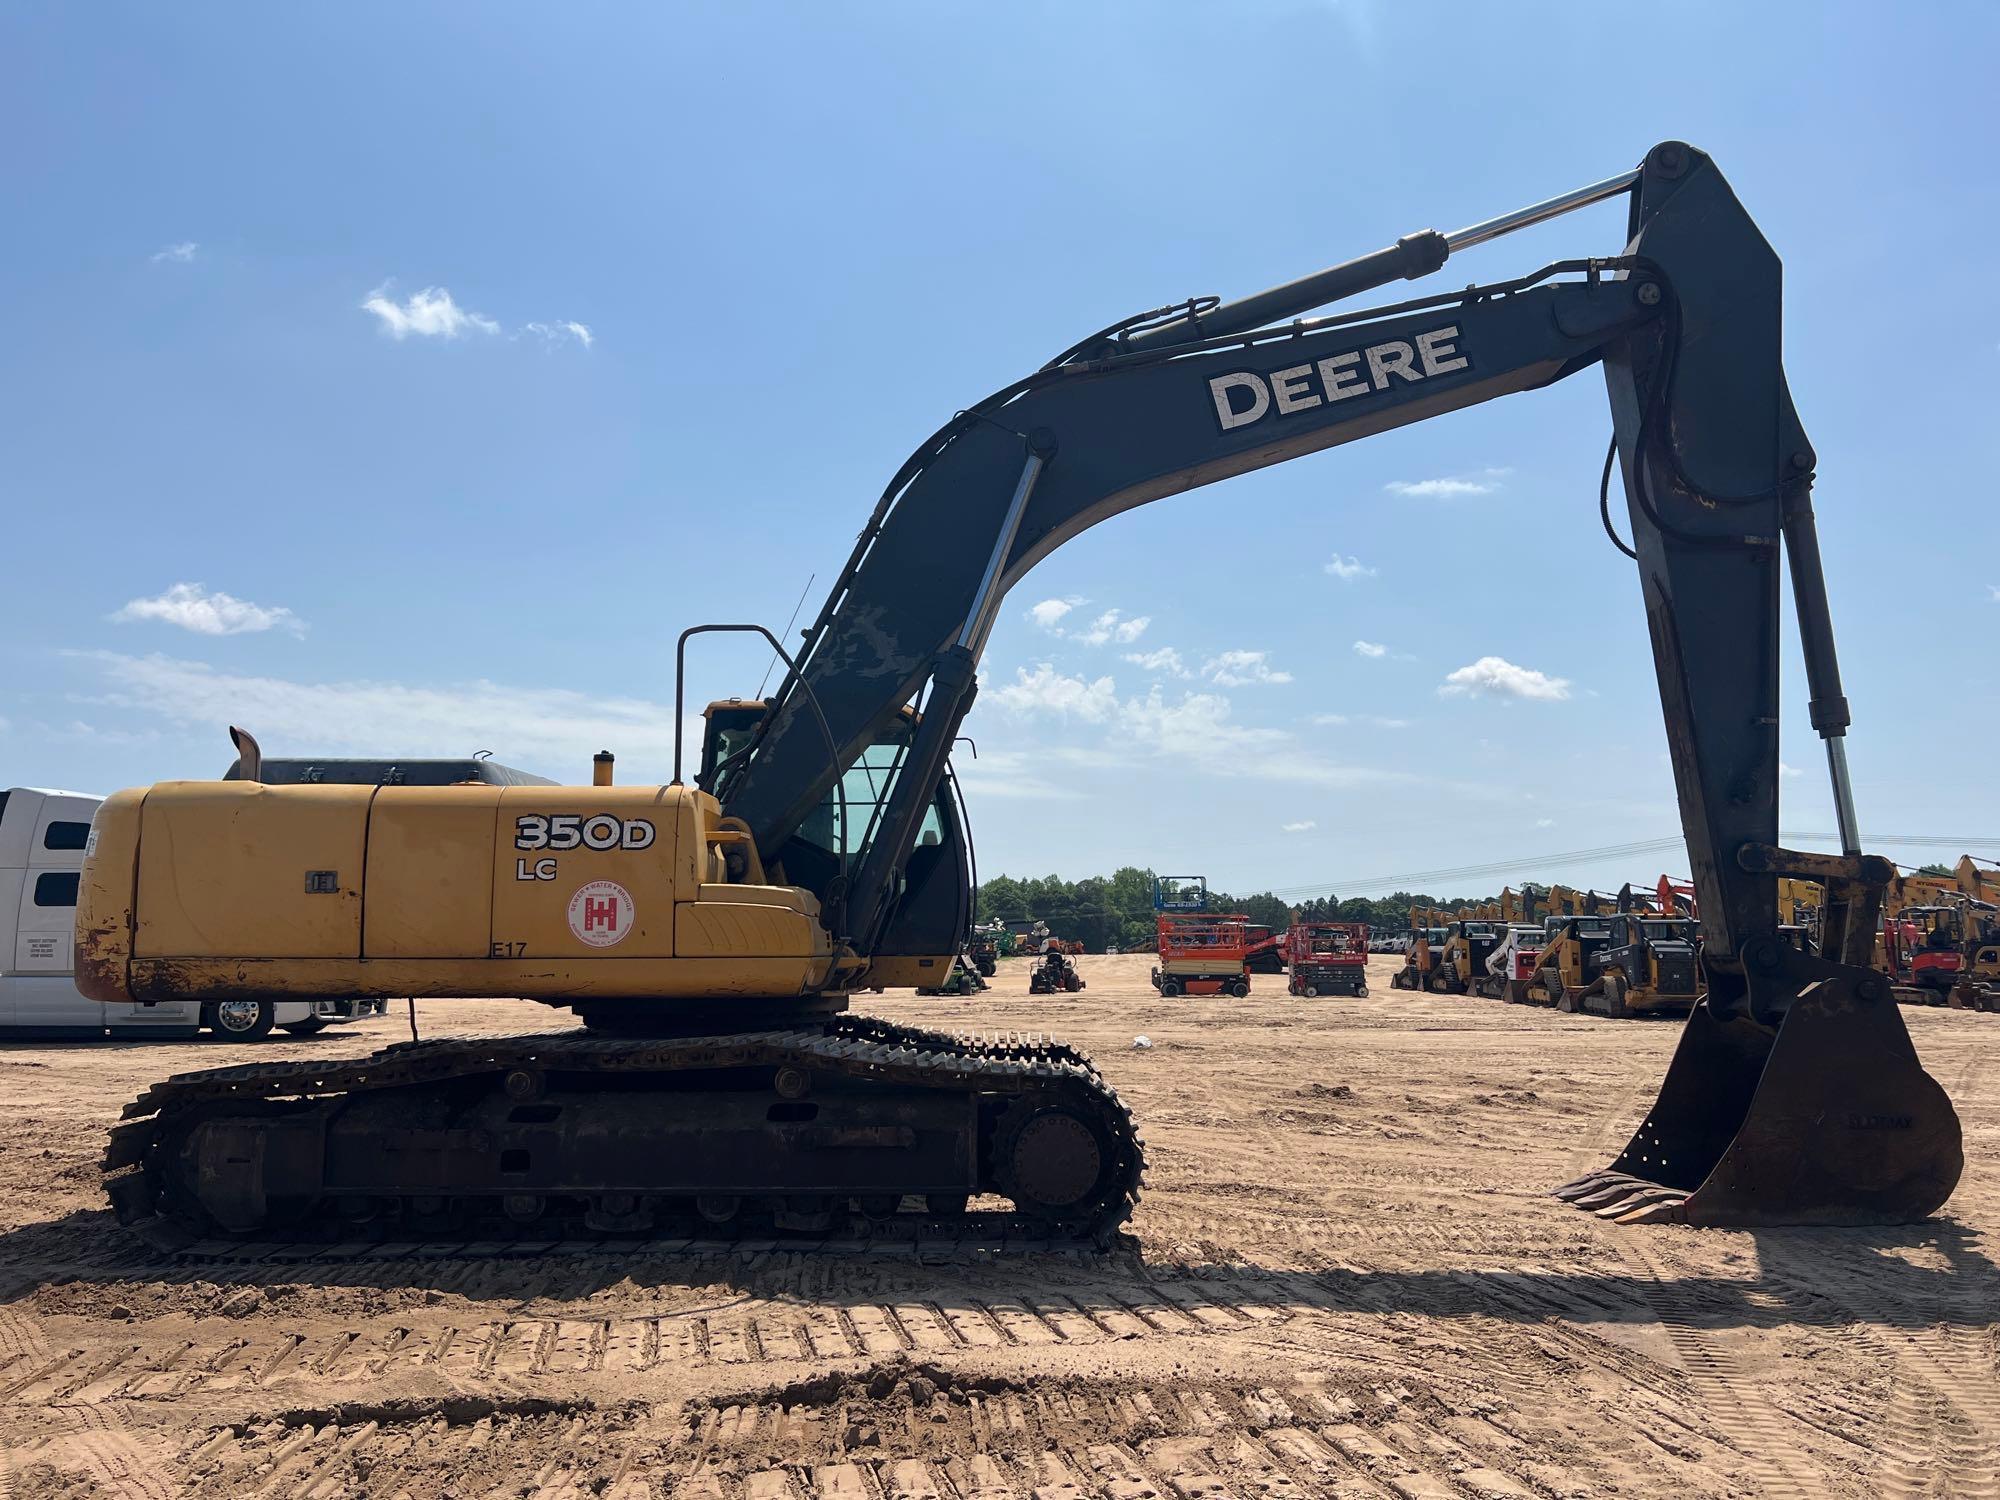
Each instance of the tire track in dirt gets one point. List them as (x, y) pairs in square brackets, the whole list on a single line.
[(535, 1351), (1734, 1407), (1940, 1431), (1071, 1442)]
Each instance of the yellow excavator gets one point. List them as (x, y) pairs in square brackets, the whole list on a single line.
[(711, 931)]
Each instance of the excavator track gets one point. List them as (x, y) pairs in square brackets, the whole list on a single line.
[(302, 1159)]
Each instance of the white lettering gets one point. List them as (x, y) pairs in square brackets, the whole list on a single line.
[(1435, 349), (566, 830), (1392, 358), (1225, 412), (541, 869), (1243, 397), (1340, 377), (1291, 390)]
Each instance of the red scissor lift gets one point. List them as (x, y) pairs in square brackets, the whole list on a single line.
[(1327, 958), (1202, 953)]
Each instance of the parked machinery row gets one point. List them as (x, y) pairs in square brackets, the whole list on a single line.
[(1629, 954), (1940, 937)]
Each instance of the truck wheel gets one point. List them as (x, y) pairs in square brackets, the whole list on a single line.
[(312, 1027), (1170, 988), (1361, 992), (1312, 992), (240, 1020), (1240, 989)]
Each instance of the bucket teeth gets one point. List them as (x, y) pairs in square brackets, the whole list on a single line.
[(1668, 1208), (1622, 1211), (1610, 1193), (1621, 1198), (1595, 1182)]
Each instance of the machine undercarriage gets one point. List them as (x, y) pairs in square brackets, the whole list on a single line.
[(854, 1129)]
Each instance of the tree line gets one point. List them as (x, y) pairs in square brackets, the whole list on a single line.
[(1116, 910)]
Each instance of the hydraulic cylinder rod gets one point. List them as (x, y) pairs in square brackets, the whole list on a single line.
[(1411, 256)]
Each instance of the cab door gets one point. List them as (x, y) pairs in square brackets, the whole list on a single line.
[(44, 991)]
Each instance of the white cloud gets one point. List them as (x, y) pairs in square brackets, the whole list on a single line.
[(1785, 770), (1497, 677), (1993, 593), (179, 254), (1545, 822), (430, 313), (561, 332), (1048, 614), (1242, 669), (1449, 487), (1347, 569), (1045, 690), (1198, 730), (1165, 659), (1009, 773), (1304, 827), (1373, 721), (1370, 649), (1109, 627), (193, 607), (532, 725)]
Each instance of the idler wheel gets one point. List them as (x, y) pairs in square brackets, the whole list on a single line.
[(1051, 1159)]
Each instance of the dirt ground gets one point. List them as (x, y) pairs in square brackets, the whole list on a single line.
[(1349, 1281)]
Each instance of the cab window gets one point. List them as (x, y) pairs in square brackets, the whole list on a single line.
[(56, 888)]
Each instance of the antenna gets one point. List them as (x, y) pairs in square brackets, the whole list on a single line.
[(788, 630)]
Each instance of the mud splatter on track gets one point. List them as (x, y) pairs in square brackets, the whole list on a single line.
[(1347, 1281)]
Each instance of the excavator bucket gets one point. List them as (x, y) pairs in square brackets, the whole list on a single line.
[(1827, 1117)]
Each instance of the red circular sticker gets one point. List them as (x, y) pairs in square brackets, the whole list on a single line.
[(600, 913)]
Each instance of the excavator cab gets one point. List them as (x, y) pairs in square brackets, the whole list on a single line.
[(923, 935)]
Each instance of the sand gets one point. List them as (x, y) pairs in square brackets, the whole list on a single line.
[(1347, 1280)]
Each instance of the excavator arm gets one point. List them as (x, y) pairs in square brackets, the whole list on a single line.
[(1687, 324)]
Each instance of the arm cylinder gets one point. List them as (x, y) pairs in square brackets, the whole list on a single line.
[(1828, 706)]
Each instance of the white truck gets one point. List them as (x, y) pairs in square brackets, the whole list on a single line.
[(42, 838)]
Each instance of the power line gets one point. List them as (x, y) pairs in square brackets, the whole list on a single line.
[(1409, 879)]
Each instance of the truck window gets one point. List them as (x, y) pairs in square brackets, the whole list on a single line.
[(56, 888), (65, 835)]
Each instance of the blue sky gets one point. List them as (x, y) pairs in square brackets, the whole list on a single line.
[(402, 379)]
